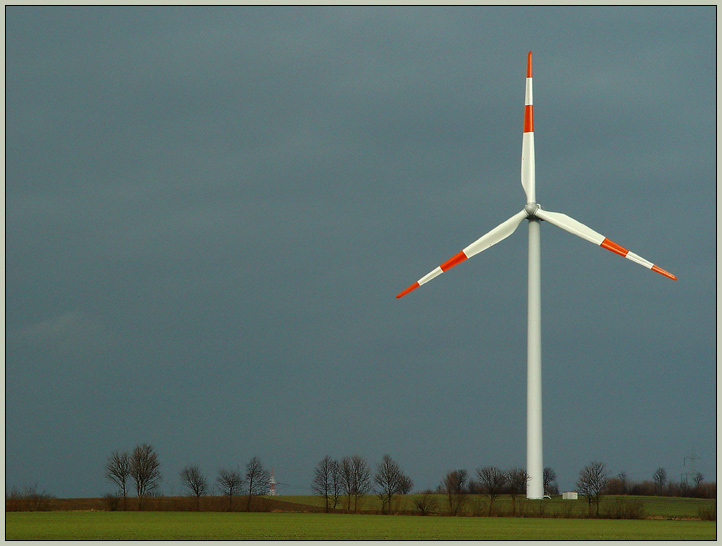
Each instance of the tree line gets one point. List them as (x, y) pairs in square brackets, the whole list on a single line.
[(141, 468), (27, 499), (343, 483), (348, 480), (351, 479), (491, 481), (660, 485), (595, 481)]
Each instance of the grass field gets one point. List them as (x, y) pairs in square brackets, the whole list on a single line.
[(476, 505), (664, 507), (287, 526)]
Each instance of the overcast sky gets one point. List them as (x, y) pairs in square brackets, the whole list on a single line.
[(210, 211)]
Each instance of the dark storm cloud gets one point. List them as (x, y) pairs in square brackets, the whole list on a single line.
[(210, 210)]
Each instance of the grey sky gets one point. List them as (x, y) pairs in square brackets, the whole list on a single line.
[(209, 212)]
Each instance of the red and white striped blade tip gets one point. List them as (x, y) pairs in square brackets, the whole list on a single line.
[(528, 65), (409, 289), (663, 272), (619, 249)]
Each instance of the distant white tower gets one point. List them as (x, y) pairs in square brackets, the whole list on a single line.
[(272, 482)]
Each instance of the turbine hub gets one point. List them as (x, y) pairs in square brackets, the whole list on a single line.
[(531, 209)]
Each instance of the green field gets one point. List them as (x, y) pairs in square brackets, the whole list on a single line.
[(663, 507), (287, 526)]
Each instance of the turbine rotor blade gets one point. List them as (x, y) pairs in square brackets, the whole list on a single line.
[(580, 230), (527, 145), (499, 233)]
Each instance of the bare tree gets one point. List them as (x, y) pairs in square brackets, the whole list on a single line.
[(548, 477), (660, 478), (144, 469), (406, 484), (592, 480), (453, 485), (230, 482), (325, 475), (391, 481), (336, 486), (257, 479), (355, 479), (347, 483), (493, 481), (698, 477), (426, 503), (361, 479), (193, 479), (518, 479), (117, 470)]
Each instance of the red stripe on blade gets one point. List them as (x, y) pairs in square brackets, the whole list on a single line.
[(614, 247), (528, 118), (663, 272), (409, 289), (448, 264)]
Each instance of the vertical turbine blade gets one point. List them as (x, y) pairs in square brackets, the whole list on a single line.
[(527, 143), (499, 233), (580, 230)]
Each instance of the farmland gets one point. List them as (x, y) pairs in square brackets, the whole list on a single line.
[(298, 517), (314, 526), (477, 505)]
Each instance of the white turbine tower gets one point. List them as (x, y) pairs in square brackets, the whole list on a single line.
[(534, 214)]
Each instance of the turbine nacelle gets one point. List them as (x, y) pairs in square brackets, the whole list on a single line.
[(531, 209)]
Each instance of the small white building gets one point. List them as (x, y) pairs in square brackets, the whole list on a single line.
[(570, 495)]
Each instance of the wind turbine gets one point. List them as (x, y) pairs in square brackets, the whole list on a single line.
[(534, 213)]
